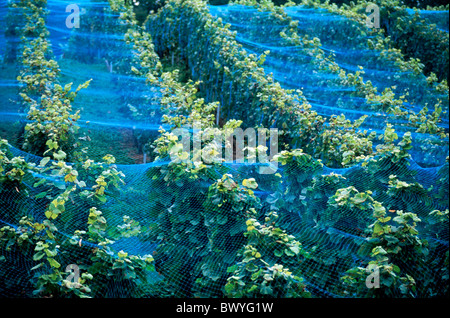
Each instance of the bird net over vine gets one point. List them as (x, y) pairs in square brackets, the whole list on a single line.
[(113, 182)]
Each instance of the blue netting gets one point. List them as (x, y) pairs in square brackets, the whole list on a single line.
[(197, 243), (292, 67), (437, 17)]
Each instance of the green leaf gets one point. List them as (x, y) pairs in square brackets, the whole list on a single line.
[(231, 269), (256, 275), (251, 267), (388, 281), (44, 161), (67, 87), (378, 251), (51, 144), (266, 290), (70, 178), (288, 252), (40, 182), (253, 288), (38, 256), (53, 263), (391, 239), (378, 229), (250, 183), (101, 198), (360, 198), (60, 155), (81, 184), (37, 266), (135, 70), (40, 195), (413, 231), (396, 269), (295, 249), (84, 85), (278, 253)]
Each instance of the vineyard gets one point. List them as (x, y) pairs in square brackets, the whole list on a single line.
[(224, 149)]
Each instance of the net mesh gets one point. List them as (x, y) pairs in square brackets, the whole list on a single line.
[(347, 40), (437, 17), (214, 234)]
